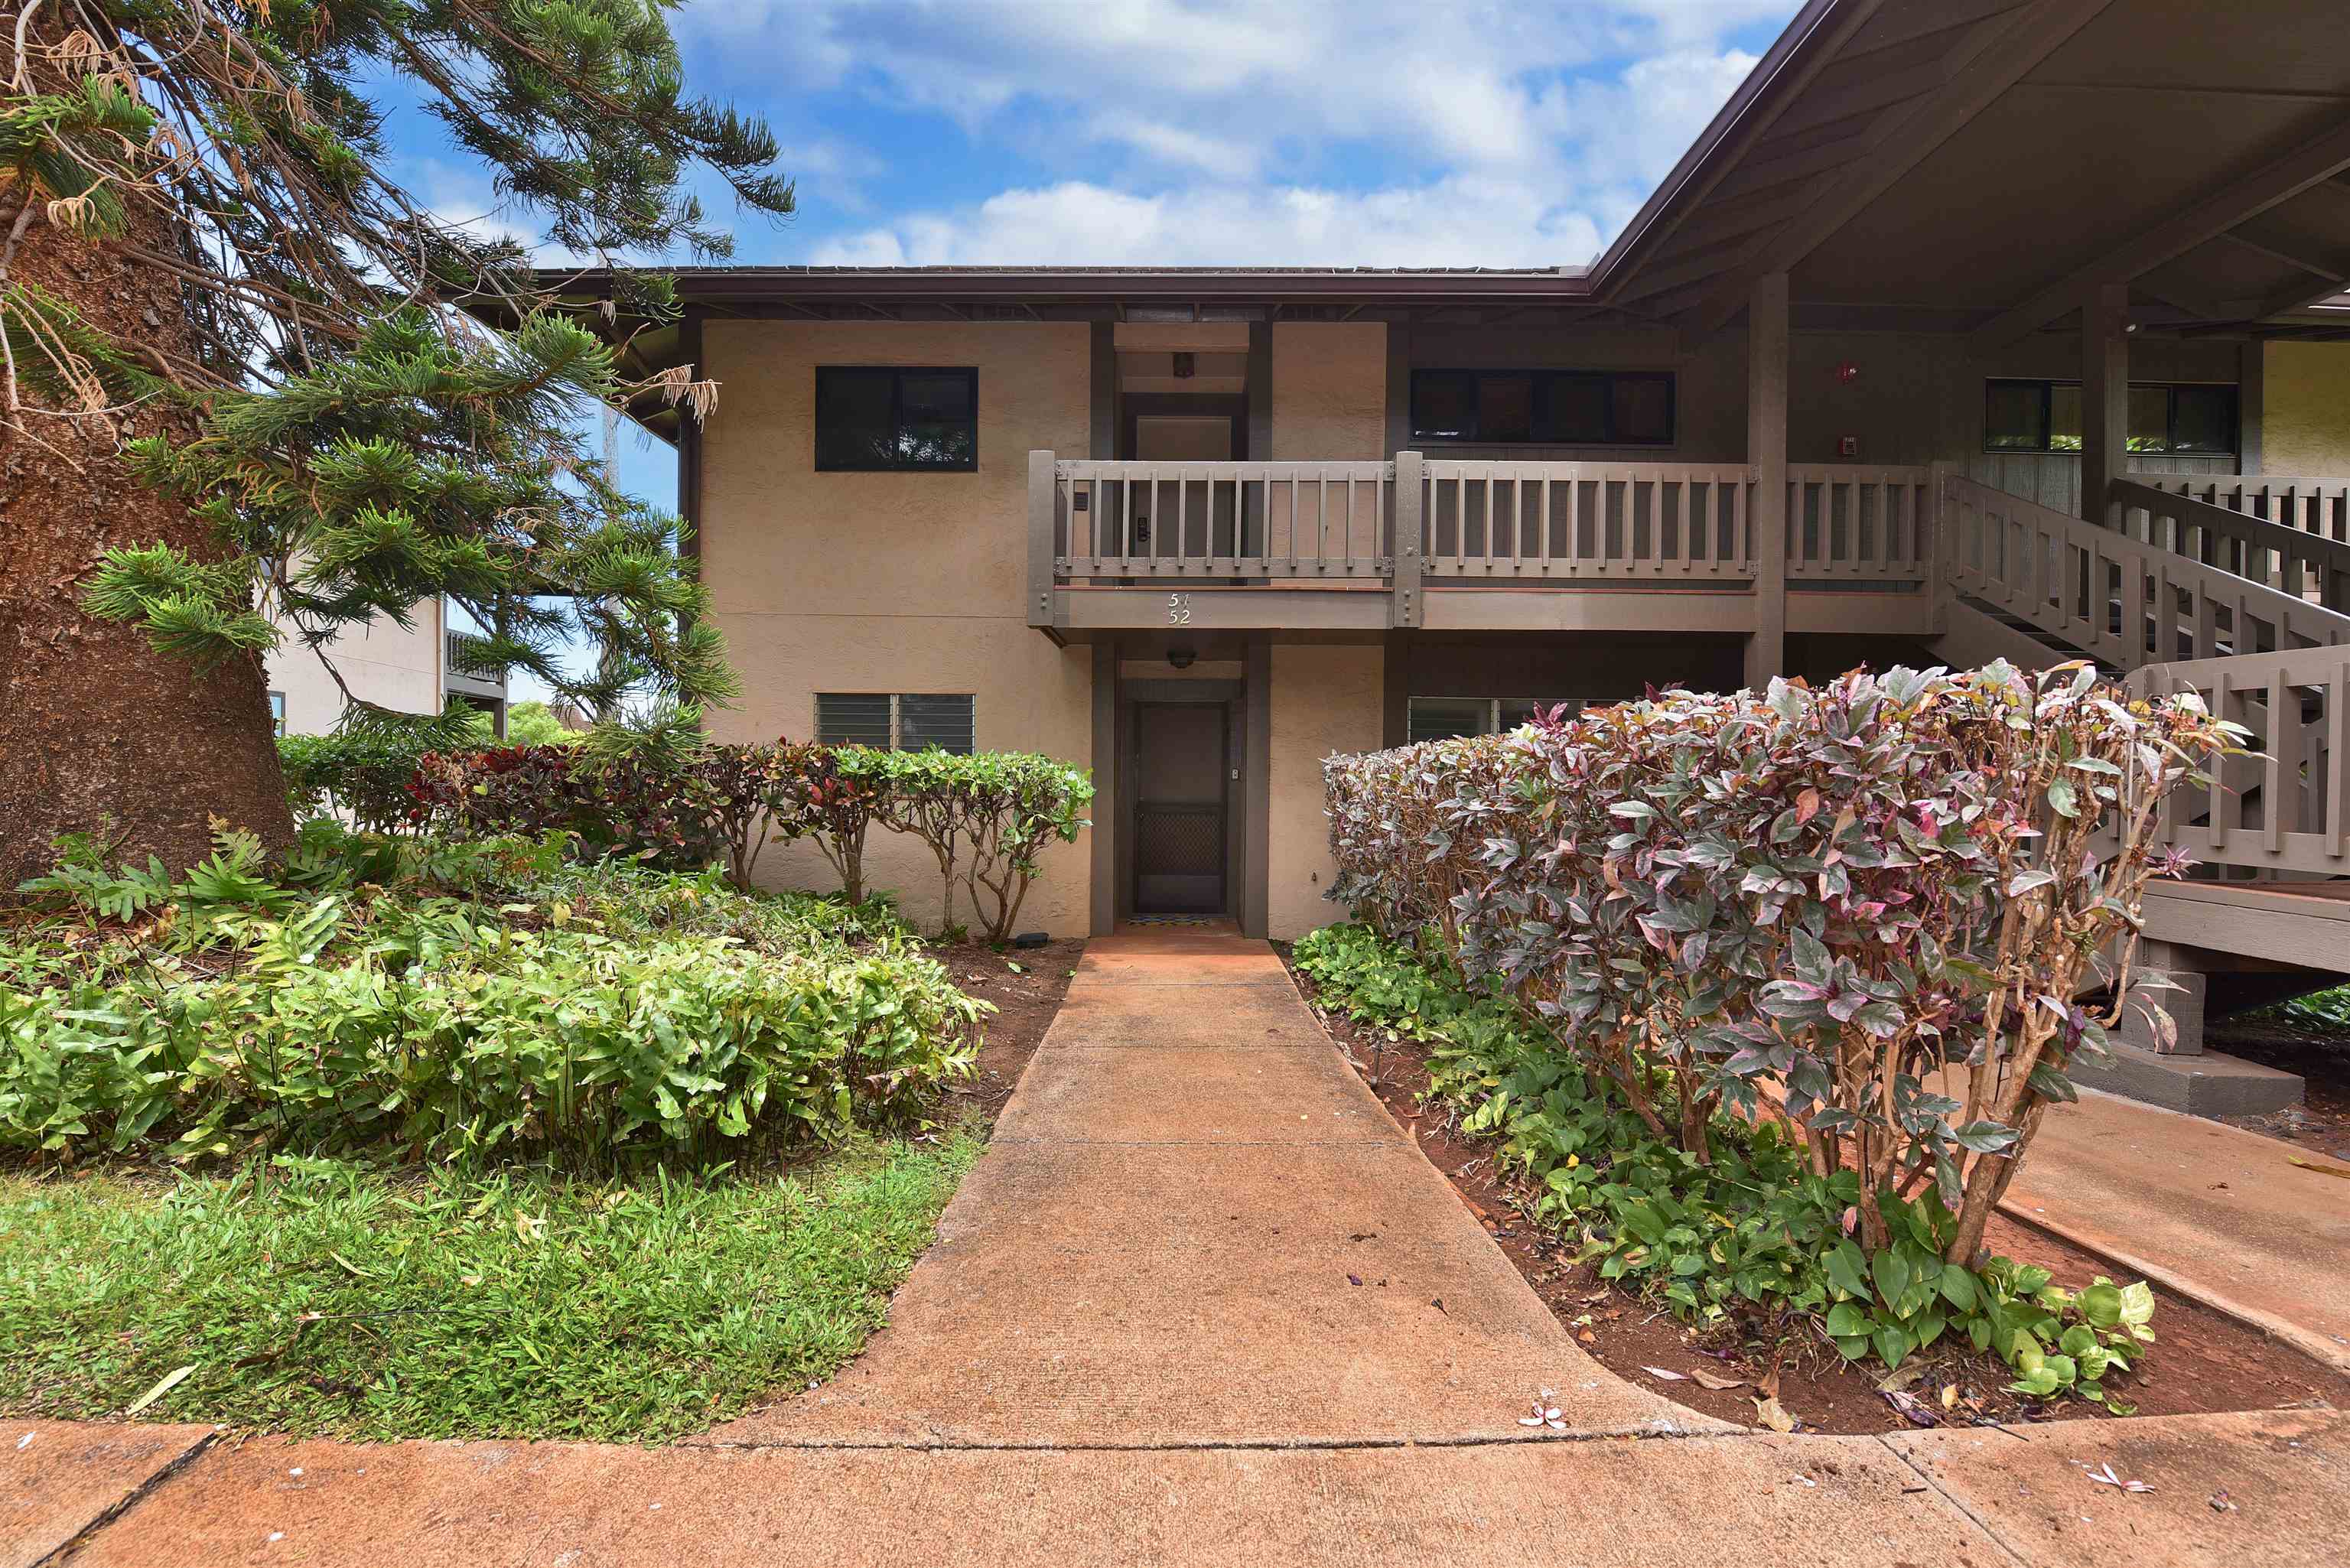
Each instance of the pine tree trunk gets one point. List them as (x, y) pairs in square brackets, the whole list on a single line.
[(99, 733)]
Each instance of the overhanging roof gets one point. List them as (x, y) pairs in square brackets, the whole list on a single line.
[(1981, 162), (1994, 158)]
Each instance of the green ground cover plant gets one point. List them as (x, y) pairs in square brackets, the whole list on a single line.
[(461, 1002), (359, 1300), (1753, 1234)]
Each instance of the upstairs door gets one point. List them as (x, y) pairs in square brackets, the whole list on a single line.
[(1180, 807), (1190, 430)]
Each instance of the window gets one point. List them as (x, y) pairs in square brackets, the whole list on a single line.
[(278, 714), (906, 723), (1442, 717), (869, 418), (1557, 407), (2190, 419)]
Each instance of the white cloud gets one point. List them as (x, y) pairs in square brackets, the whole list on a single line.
[(1454, 83), (1458, 222), (1268, 131)]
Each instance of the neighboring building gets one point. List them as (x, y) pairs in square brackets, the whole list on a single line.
[(1938, 270), (417, 668)]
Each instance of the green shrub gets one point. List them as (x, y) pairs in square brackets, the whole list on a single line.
[(1805, 904), (1755, 1229), (361, 773), (990, 812), (630, 1011), (659, 794)]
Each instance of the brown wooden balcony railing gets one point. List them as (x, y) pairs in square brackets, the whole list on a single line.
[(1300, 523)]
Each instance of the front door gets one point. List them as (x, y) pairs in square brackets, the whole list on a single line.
[(1180, 772)]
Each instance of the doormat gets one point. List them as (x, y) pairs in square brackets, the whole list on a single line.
[(1176, 921)]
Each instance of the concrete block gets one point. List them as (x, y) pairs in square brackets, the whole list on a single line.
[(2206, 1085), (2177, 991)]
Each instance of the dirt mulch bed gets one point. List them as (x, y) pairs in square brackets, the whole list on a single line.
[(2202, 1361), (2321, 1123), (1027, 998)]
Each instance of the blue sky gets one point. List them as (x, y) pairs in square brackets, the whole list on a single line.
[(1287, 133)]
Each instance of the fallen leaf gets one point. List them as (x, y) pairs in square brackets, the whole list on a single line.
[(1716, 1381), (2103, 1476), (1659, 1372), (169, 1381), (1773, 1415), (2314, 1165)]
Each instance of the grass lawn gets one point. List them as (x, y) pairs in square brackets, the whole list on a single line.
[(313, 1296)]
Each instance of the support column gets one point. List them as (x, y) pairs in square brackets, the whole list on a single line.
[(1256, 889), (2165, 981), (1109, 821), (2104, 394), (1766, 458), (2252, 404), (1044, 507), (1410, 538)]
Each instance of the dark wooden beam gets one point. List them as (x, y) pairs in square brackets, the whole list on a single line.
[(1986, 63), (2238, 199)]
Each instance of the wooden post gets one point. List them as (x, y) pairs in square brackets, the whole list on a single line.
[(2104, 396), (1766, 458), (1110, 822), (1411, 537), (2251, 406), (1041, 505)]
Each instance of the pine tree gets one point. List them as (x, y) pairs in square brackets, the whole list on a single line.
[(248, 392)]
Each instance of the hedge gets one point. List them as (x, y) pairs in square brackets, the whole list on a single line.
[(984, 818), (1805, 905)]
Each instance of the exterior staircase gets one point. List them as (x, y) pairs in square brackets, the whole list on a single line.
[(2179, 593)]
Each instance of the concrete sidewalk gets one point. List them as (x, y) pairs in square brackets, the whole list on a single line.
[(2212, 1211), (1203, 1301), (1196, 1226)]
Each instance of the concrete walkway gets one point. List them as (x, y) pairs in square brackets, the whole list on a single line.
[(1203, 1301), (2212, 1211), (1196, 1226)]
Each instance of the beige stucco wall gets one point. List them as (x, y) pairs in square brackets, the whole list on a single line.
[(384, 663), (1329, 390), (893, 582), (1325, 699), (2305, 409)]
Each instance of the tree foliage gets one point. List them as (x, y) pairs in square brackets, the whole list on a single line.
[(364, 441)]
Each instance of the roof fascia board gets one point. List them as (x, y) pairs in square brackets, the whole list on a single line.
[(1806, 45), (783, 286)]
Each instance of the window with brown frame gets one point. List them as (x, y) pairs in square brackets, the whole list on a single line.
[(1553, 407), (2187, 419)]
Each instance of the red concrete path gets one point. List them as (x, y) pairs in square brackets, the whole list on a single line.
[(1154, 1330)]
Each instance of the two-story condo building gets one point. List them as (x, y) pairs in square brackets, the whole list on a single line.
[(1967, 328)]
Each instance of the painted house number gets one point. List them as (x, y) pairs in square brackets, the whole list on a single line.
[(1178, 609)]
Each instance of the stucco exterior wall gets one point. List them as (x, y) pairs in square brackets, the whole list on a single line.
[(2306, 415), (893, 582), (387, 664), (1329, 390), (1326, 698)]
